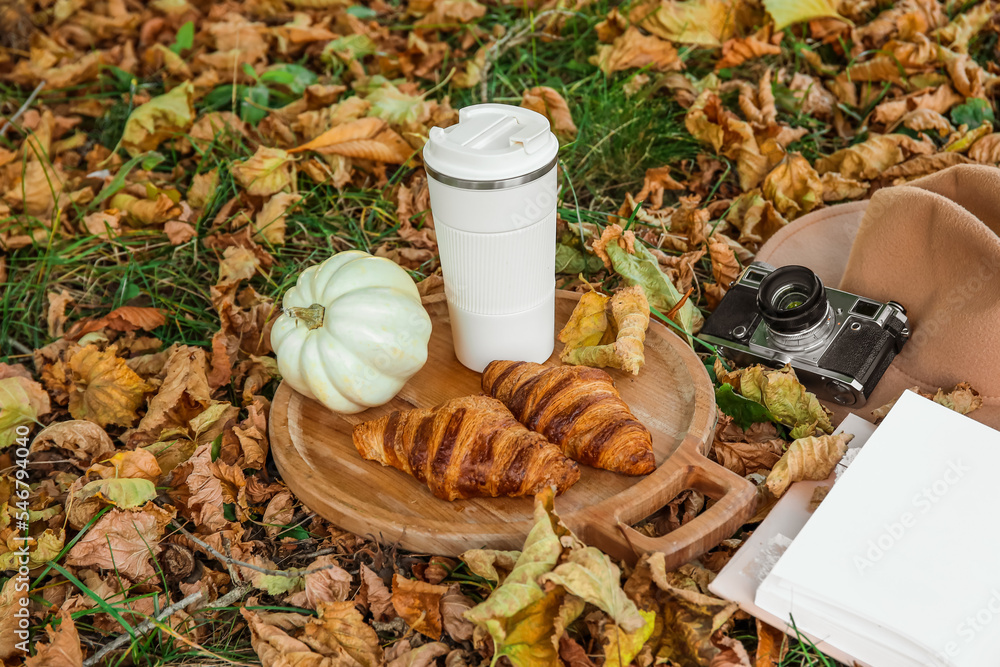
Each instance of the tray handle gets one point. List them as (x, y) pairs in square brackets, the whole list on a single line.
[(735, 502)]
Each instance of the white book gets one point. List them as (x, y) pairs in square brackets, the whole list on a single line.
[(899, 564)]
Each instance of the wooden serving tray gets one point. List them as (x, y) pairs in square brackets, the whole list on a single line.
[(672, 396)]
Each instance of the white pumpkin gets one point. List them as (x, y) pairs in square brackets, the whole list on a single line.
[(352, 332)]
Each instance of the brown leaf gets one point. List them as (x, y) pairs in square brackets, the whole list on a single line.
[(921, 165), (269, 224), (179, 232), (691, 617), (927, 119), (419, 604), (422, 656), (572, 653), (183, 394), (123, 540), (633, 49), (940, 99), (376, 594), (737, 51), (276, 648), (63, 649), (366, 138), (817, 101), (548, 102), (725, 268), (341, 632), (11, 600), (82, 440), (453, 607), (105, 390), (755, 217), (211, 484), (987, 149), (772, 645), (657, 180), (839, 188), (131, 318), (278, 514), (58, 301), (732, 653), (866, 160)]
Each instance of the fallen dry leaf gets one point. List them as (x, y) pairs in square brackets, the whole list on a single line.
[(548, 102), (123, 540), (809, 458), (104, 390), (634, 49), (366, 138), (159, 119), (419, 604), (265, 173), (63, 649)]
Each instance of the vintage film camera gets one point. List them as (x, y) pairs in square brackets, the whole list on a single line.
[(839, 343)]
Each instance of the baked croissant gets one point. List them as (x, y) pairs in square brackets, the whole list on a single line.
[(464, 448), (576, 408)]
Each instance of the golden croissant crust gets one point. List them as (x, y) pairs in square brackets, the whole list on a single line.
[(576, 408), (464, 448)]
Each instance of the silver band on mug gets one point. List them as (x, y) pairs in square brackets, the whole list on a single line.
[(491, 185)]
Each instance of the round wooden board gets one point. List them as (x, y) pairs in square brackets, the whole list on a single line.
[(672, 396)]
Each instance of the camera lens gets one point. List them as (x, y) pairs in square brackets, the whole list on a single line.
[(792, 299)]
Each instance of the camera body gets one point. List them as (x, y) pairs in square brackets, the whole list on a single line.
[(839, 344)]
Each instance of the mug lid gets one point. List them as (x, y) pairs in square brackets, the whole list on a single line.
[(491, 142)]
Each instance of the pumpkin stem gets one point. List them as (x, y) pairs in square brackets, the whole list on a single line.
[(312, 316)]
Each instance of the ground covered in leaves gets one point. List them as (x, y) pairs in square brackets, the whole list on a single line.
[(167, 169)]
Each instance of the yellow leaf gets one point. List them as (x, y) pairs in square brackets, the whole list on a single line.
[(586, 324), (810, 458), (160, 118), (22, 401), (265, 173), (793, 186), (591, 576), (105, 390), (702, 22), (621, 647), (630, 319), (124, 493), (964, 141), (788, 12)]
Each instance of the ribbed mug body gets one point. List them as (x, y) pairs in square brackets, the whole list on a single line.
[(497, 249)]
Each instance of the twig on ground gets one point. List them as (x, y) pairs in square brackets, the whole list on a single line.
[(229, 560), (143, 628), (229, 598), (21, 110)]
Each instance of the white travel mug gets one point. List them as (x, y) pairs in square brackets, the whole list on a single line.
[(492, 181)]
